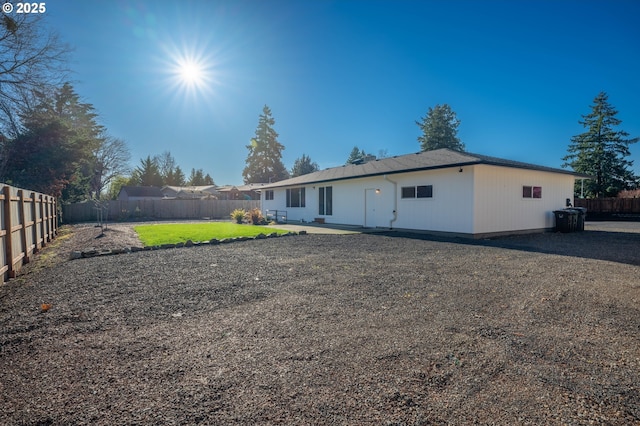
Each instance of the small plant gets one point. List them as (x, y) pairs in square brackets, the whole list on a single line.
[(238, 215), (255, 216)]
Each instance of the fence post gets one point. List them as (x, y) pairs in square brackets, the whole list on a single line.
[(23, 229), (8, 223)]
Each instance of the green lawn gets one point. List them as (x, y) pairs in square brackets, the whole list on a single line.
[(173, 233)]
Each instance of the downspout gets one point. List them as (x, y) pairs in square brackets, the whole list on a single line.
[(395, 201)]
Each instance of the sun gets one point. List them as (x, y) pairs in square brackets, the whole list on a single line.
[(191, 73)]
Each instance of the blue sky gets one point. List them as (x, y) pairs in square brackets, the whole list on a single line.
[(518, 74)]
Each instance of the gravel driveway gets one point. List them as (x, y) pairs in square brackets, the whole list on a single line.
[(331, 329)]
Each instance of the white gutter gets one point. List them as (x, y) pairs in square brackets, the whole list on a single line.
[(395, 201)]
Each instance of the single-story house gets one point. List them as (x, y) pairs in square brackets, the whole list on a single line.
[(190, 192), (135, 193), (441, 191), (250, 191)]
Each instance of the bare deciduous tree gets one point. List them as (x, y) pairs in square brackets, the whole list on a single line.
[(32, 57), (111, 160)]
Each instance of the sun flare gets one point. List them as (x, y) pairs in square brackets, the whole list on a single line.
[(191, 73)]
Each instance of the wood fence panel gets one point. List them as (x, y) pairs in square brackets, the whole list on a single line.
[(610, 206), (174, 209), (28, 221)]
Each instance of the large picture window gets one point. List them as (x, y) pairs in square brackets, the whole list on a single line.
[(325, 200), (296, 197)]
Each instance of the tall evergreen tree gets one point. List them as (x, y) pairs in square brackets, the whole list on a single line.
[(147, 173), (198, 178), (439, 129), (303, 166), (54, 151), (264, 161), (177, 178), (602, 151), (356, 155)]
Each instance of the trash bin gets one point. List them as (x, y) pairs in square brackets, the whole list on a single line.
[(582, 214), (562, 221), (572, 219)]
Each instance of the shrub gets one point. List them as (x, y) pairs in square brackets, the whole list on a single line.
[(238, 215), (255, 216)]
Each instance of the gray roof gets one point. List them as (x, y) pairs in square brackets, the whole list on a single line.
[(427, 160), (142, 191)]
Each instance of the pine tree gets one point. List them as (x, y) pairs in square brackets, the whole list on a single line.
[(264, 161), (147, 173), (601, 151), (439, 129), (54, 151), (356, 155), (303, 166)]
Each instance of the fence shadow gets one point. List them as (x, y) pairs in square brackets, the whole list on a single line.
[(614, 246)]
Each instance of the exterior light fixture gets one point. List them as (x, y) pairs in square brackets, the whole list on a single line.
[(377, 190)]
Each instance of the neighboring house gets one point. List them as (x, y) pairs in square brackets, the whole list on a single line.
[(441, 191), (134, 193), (190, 192), (250, 191)]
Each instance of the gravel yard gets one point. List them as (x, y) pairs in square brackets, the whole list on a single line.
[(328, 329)]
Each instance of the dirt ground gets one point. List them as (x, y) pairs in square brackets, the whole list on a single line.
[(386, 328)]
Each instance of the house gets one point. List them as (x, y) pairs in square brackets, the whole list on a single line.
[(442, 191), (249, 191), (135, 193), (190, 192)]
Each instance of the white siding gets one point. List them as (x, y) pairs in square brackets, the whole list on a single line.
[(348, 202), (450, 209), (500, 207), (480, 199)]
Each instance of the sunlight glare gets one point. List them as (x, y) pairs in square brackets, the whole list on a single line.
[(191, 73)]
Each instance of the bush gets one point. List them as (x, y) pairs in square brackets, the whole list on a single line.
[(255, 216), (238, 215)]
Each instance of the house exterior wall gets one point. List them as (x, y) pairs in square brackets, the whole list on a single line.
[(371, 202), (499, 206), (472, 200), (348, 202), (449, 210)]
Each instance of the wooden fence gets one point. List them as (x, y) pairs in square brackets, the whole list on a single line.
[(118, 210), (28, 221), (609, 207)]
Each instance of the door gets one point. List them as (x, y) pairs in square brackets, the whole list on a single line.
[(370, 208)]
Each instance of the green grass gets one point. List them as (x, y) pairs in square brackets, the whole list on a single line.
[(154, 235)]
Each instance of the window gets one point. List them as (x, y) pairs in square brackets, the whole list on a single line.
[(408, 192), (420, 191), (325, 200), (268, 194), (531, 192), (296, 197), (424, 191)]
